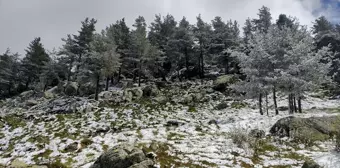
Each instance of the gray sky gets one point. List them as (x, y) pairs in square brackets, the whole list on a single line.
[(22, 20)]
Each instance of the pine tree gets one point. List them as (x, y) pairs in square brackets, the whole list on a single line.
[(263, 23), (179, 46), (34, 61), (202, 33), (120, 33), (9, 71), (161, 33), (102, 60), (144, 51)]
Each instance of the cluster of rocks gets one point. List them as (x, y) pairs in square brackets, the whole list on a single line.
[(124, 156)]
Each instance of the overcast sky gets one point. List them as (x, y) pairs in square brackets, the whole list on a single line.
[(22, 20)]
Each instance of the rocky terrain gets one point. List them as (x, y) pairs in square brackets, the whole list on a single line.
[(185, 124)]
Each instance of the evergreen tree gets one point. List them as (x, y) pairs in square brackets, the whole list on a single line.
[(202, 33), (34, 61), (161, 32), (263, 23), (326, 34), (144, 51), (101, 61), (284, 21), (9, 71), (84, 39), (120, 33)]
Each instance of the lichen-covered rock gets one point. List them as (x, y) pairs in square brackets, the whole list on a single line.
[(18, 164), (31, 102), (27, 94), (131, 94), (222, 82), (221, 106), (71, 88), (51, 93), (161, 99), (71, 147), (256, 133), (150, 91), (310, 164), (310, 129), (123, 156)]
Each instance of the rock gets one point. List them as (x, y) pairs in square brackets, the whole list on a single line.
[(18, 164), (87, 89), (213, 121), (131, 94), (123, 156), (221, 106), (31, 102), (71, 88), (283, 108), (307, 129), (174, 123), (256, 133), (150, 91), (151, 155), (66, 105), (143, 164), (222, 82), (51, 93), (161, 99), (71, 147), (310, 164), (27, 94), (160, 84), (105, 95)]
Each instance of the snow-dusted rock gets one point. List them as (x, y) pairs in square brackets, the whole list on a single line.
[(123, 156)]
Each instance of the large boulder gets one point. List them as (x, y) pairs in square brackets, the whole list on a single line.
[(27, 94), (222, 82), (133, 94), (71, 88), (88, 88), (310, 164), (51, 93), (150, 91), (307, 129), (123, 156)]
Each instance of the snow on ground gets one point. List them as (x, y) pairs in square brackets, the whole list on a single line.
[(195, 142)]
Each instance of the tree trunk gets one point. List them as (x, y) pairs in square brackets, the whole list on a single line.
[(290, 104), (179, 77), (9, 89), (275, 103), (139, 73), (299, 104), (199, 66), (267, 104), (294, 103), (134, 73), (186, 62), (119, 73), (260, 104), (107, 84), (226, 71), (202, 64), (27, 83), (97, 88)]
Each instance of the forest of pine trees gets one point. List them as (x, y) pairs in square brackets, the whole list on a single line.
[(273, 55)]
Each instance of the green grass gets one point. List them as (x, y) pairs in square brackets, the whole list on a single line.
[(192, 109), (14, 121), (85, 142)]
